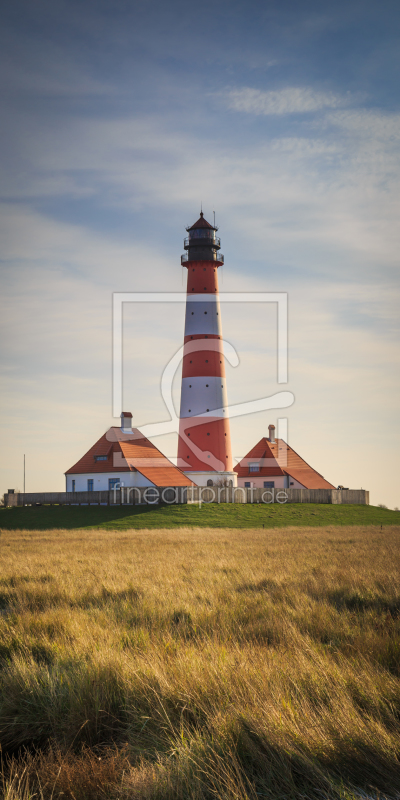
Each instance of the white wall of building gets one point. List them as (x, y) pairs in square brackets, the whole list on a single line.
[(281, 482), (201, 478), (100, 480), (293, 484), (257, 482)]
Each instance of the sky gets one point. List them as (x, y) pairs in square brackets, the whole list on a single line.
[(118, 120)]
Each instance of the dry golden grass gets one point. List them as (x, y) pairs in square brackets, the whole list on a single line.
[(200, 663)]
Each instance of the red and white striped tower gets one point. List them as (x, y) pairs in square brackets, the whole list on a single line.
[(204, 448)]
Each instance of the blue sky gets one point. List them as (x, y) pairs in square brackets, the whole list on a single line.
[(118, 119)]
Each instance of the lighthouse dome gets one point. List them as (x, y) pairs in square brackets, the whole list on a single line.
[(201, 229), (202, 244)]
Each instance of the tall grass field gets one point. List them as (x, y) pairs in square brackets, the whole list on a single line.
[(199, 662)]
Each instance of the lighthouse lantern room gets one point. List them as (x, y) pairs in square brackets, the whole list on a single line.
[(204, 448)]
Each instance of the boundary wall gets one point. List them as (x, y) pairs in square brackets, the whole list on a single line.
[(171, 495)]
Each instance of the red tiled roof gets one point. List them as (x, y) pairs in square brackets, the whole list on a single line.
[(129, 452), (104, 449), (201, 223), (264, 454), (309, 478), (298, 469), (279, 458)]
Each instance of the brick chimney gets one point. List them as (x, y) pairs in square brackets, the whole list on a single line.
[(271, 430), (126, 422)]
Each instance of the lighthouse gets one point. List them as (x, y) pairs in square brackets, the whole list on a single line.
[(204, 447)]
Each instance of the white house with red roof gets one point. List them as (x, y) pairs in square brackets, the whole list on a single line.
[(273, 464), (123, 457)]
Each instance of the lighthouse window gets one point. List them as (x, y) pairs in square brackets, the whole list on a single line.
[(206, 360), (202, 233), (208, 434), (205, 312), (191, 362), (192, 313), (190, 385), (207, 385), (208, 409), (189, 434)]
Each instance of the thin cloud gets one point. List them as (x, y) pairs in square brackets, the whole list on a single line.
[(372, 124), (292, 100)]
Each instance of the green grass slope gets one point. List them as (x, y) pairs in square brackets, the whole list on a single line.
[(209, 516)]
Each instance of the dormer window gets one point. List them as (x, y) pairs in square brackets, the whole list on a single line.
[(100, 458), (254, 467)]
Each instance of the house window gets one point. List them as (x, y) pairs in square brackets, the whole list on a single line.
[(247, 485), (100, 458), (269, 484), (90, 485), (114, 483), (73, 486), (254, 467)]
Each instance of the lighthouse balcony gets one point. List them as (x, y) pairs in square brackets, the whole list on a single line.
[(216, 257), (201, 242)]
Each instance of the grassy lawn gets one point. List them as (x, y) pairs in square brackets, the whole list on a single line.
[(209, 516), (200, 663)]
